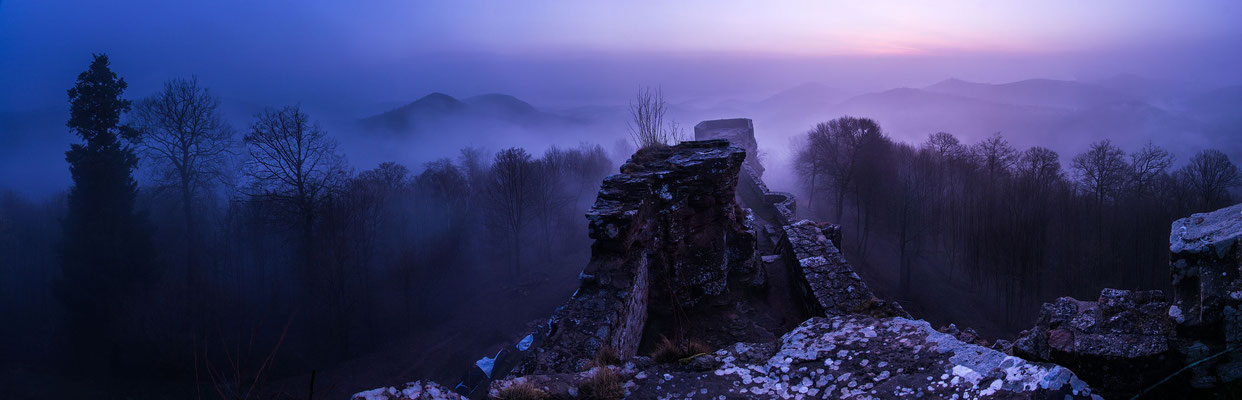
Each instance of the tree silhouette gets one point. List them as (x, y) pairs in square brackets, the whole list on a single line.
[(511, 196), (294, 164), (186, 142), (1210, 175), (1102, 170), (106, 255)]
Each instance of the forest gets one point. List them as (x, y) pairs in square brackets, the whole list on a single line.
[(254, 260), (313, 199), (257, 254), (954, 223)]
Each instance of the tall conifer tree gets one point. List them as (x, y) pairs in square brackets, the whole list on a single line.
[(106, 254)]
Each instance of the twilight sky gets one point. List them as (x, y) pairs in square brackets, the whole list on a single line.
[(369, 54)]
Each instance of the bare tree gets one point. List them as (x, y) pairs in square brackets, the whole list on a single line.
[(648, 126), (812, 160), (1147, 164), (1210, 175), (513, 180), (1101, 170), (187, 144), (996, 154), (848, 138), (1040, 166), (946, 146), (473, 161), (915, 177), (293, 162)]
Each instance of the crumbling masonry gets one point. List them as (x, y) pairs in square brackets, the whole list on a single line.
[(690, 242)]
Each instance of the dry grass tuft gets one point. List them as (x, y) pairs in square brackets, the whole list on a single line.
[(695, 347), (604, 384), (606, 356), (521, 391), (668, 351)]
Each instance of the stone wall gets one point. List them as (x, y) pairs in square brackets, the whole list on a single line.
[(670, 214), (671, 236), (825, 279)]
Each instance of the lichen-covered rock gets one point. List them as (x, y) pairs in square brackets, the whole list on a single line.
[(967, 335), (826, 279), (845, 357), (411, 391), (1121, 343), (1206, 268), (675, 253)]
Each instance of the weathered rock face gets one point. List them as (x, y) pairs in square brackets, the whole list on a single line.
[(668, 217), (840, 357), (1207, 274), (689, 223), (675, 252), (1121, 343), (1127, 341), (1206, 267)]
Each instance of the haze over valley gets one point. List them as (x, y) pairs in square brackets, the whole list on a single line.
[(525, 200)]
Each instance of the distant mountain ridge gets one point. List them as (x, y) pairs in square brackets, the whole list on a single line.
[(439, 109), (1035, 92), (1065, 115)]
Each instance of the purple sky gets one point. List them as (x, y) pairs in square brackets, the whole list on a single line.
[(370, 53)]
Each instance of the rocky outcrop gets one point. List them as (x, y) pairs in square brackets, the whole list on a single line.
[(691, 244), (1131, 342), (668, 217), (848, 357), (1207, 274), (1121, 343)]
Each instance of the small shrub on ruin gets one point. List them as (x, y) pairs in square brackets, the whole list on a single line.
[(604, 384), (607, 356), (695, 347), (521, 391), (668, 351)]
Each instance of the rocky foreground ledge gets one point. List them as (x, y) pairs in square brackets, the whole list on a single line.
[(1131, 342), (692, 228), (841, 357), (690, 245)]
